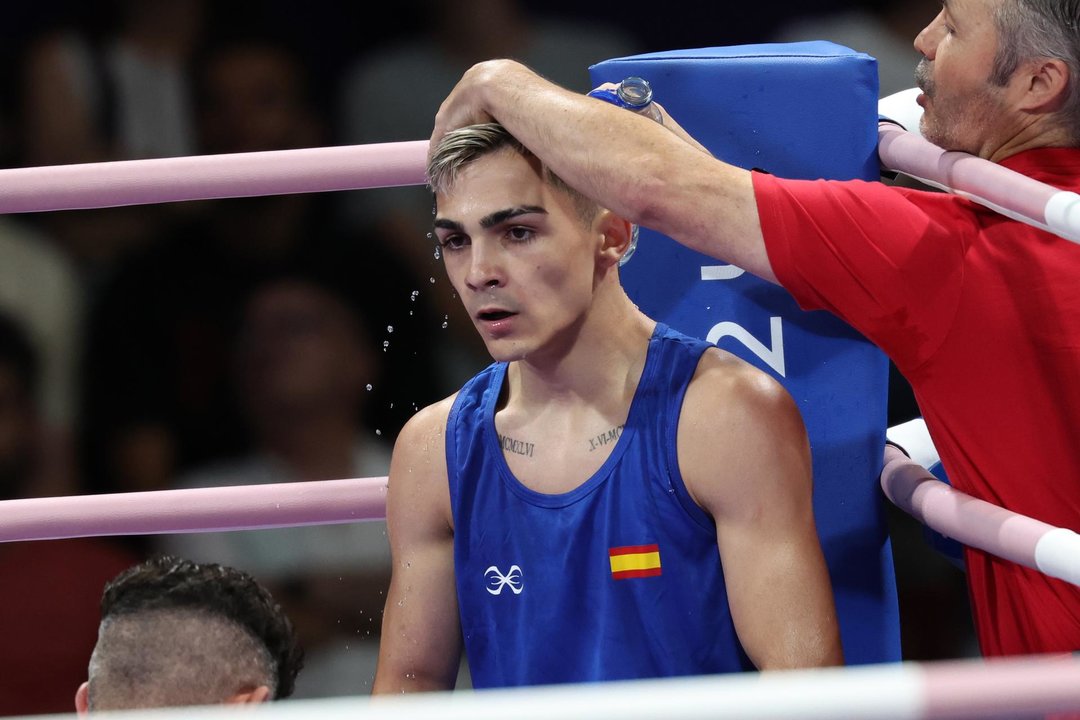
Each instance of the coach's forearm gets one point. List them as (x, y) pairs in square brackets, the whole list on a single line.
[(626, 162)]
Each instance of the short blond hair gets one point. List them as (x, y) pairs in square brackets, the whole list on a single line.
[(460, 148)]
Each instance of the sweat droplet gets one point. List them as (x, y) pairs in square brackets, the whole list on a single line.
[(445, 324), (389, 328), (432, 280), (378, 432), (414, 294), (386, 343), (436, 252), (369, 386)]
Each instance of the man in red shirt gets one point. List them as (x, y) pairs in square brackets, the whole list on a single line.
[(981, 313)]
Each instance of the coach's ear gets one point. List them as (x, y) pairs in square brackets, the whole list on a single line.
[(616, 235), (258, 695), (82, 700), (1043, 84)]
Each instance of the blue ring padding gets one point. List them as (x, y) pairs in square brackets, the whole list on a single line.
[(801, 110)]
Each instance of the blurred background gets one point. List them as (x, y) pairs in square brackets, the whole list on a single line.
[(282, 338)]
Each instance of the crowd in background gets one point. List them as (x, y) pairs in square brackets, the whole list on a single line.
[(279, 338)]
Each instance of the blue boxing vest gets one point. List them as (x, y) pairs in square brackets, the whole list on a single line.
[(619, 578)]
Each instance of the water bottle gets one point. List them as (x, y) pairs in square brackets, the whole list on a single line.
[(634, 94)]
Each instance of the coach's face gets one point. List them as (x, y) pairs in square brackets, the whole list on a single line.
[(963, 108)]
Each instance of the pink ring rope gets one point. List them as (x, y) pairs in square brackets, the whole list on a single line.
[(979, 524), (279, 172), (987, 183), (159, 512)]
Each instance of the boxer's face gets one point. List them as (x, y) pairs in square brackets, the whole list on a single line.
[(519, 255)]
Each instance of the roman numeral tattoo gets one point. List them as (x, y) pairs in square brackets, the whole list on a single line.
[(518, 447), (605, 438)]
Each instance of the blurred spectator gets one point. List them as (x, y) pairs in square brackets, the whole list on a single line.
[(124, 95), (119, 95), (392, 94), (305, 363), (40, 289), (175, 633), (159, 395), (49, 588), (881, 28)]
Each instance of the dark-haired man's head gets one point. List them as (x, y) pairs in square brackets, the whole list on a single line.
[(177, 633)]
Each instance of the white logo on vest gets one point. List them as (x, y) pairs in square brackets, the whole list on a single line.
[(497, 581)]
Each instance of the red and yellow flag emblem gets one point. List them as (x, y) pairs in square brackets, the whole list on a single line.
[(634, 561)]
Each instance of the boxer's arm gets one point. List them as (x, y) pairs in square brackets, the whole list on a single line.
[(420, 647), (745, 458)]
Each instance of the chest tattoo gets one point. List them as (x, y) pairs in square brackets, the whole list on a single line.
[(518, 447), (605, 438)]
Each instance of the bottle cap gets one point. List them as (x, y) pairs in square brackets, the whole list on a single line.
[(635, 92)]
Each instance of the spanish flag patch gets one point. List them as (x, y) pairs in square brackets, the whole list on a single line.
[(634, 561)]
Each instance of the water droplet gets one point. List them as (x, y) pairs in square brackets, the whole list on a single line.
[(432, 280), (445, 324), (391, 406), (389, 328), (369, 387), (386, 343), (378, 432), (414, 294), (437, 252)]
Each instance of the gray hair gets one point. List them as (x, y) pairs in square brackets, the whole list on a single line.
[(1030, 29), (459, 148)]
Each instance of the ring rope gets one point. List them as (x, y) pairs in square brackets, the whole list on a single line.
[(207, 177), (1006, 688), (976, 523), (159, 512), (997, 187)]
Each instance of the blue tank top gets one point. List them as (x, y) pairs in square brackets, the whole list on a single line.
[(619, 578)]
